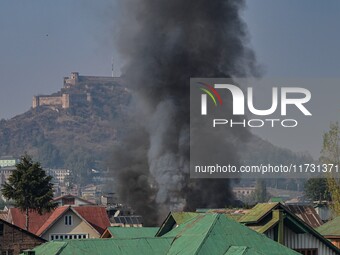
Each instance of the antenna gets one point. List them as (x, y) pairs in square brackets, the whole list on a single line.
[(112, 68)]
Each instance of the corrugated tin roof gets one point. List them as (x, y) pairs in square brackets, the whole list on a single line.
[(258, 212), (331, 228), (216, 234), (201, 235), (53, 217), (109, 246), (173, 219), (18, 218), (181, 217), (256, 220), (52, 248), (119, 232), (306, 213), (95, 215)]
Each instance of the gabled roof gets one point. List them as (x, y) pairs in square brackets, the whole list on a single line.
[(18, 218), (95, 215), (132, 232), (200, 235), (258, 212), (173, 219), (306, 213), (23, 230), (217, 234), (76, 197), (254, 219), (331, 228), (57, 213)]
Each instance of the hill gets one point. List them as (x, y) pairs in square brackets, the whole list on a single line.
[(77, 127), (78, 137)]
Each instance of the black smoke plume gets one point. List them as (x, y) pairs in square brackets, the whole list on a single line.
[(163, 44)]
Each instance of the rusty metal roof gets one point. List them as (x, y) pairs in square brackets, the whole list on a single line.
[(306, 213)]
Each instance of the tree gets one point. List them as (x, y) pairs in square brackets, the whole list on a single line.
[(30, 188), (316, 189), (330, 154), (261, 194)]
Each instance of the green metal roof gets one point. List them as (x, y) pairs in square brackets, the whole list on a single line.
[(121, 232), (217, 234), (181, 217), (259, 211), (256, 220), (109, 246), (276, 199), (331, 228), (50, 248), (173, 219), (203, 234)]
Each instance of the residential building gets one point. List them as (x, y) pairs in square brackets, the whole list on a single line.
[(331, 231), (69, 190), (204, 234), (278, 223), (8, 161), (65, 222), (242, 192), (108, 199), (13, 239), (5, 173), (91, 192), (71, 200), (307, 213), (59, 175)]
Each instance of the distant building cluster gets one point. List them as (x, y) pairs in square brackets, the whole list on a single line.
[(7, 165), (285, 225)]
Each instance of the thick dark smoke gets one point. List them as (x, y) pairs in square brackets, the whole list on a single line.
[(164, 43)]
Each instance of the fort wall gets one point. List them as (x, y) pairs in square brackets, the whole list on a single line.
[(66, 100)]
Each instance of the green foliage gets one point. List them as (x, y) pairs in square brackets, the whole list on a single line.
[(261, 194), (330, 154), (316, 189), (29, 187)]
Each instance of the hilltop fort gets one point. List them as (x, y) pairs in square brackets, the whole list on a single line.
[(69, 95)]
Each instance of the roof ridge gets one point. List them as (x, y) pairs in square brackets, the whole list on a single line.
[(312, 230), (216, 216), (43, 230), (81, 217)]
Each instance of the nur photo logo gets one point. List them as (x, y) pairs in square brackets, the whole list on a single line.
[(280, 100)]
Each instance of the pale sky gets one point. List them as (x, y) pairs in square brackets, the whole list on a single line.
[(43, 40)]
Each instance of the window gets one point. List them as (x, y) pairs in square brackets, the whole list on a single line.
[(1, 229), (68, 220), (312, 251), (67, 236)]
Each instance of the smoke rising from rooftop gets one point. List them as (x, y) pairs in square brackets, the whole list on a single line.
[(164, 43)]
